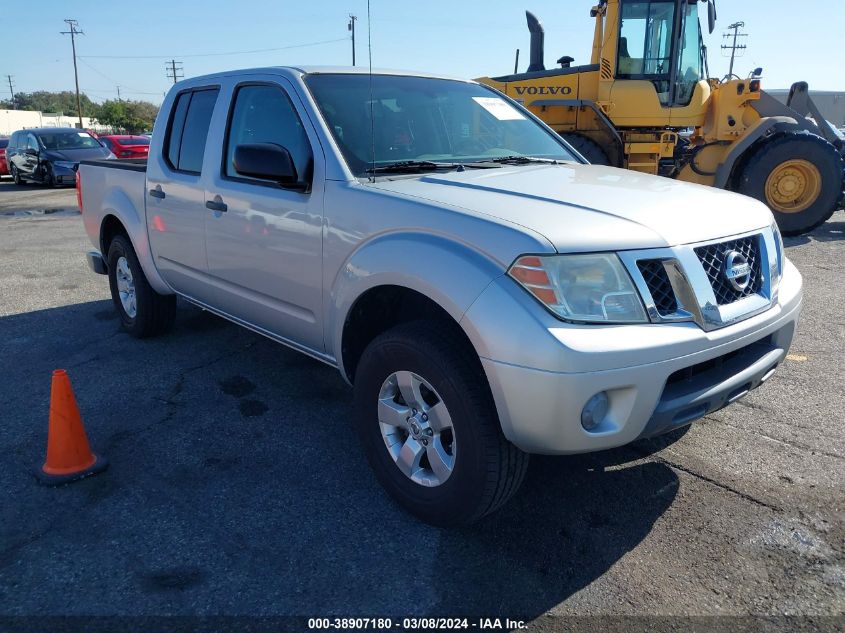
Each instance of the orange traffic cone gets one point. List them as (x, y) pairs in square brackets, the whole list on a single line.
[(69, 456)]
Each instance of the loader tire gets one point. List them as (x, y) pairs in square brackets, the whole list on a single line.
[(799, 176), (588, 148)]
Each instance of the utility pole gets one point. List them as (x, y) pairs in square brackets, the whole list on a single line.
[(11, 91), (118, 93), (173, 72), (74, 31), (734, 47), (351, 27)]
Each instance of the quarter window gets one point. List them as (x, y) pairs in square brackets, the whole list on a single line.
[(264, 114)]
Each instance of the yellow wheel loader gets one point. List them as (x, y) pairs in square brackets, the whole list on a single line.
[(646, 102)]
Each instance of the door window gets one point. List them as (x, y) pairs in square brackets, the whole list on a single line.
[(31, 142), (690, 66), (645, 43), (189, 129), (264, 114)]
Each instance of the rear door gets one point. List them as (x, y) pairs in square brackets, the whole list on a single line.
[(176, 193), (265, 248)]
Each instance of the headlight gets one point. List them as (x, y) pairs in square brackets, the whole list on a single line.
[(592, 288), (65, 164)]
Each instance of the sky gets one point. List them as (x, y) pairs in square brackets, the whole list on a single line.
[(128, 44)]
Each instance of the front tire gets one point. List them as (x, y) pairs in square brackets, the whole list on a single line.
[(799, 176), (429, 426), (588, 148), (143, 312)]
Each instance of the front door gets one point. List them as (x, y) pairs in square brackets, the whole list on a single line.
[(176, 194), (263, 240)]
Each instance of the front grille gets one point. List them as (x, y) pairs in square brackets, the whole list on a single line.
[(659, 286), (712, 259)]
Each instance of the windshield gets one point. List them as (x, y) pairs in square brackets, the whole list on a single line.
[(67, 140), (422, 119)]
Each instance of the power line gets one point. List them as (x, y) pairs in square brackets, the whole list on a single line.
[(173, 72), (258, 50), (73, 25)]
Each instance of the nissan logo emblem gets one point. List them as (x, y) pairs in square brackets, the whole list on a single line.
[(737, 270)]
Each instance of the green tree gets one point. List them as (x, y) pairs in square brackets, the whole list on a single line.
[(61, 102), (128, 116)]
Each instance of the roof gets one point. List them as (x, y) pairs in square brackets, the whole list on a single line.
[(325, 70), (50, 129)]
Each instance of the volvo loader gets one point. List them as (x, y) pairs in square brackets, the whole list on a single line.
[(646, 102)]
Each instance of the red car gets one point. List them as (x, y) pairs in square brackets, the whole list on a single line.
[(126, 145), (4, 167)]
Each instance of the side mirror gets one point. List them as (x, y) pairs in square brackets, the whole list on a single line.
[(711, 15), (30, 151), (268, 161)]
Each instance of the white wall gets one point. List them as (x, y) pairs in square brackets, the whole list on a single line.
[(12, 120)]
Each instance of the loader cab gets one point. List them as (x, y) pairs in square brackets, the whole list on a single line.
[(658, 62)]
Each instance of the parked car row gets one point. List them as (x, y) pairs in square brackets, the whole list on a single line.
[(51, 156)]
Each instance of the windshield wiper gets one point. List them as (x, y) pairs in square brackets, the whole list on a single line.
[(410, 166), (521, 160)]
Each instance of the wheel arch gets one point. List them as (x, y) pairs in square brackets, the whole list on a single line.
[(121, 216), (399, 278)]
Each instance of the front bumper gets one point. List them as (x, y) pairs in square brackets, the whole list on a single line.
[(64, 175), (657, 377)]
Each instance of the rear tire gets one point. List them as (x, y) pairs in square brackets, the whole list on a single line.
[(799, 176), (143, 312), (588, 148), (483, 470)]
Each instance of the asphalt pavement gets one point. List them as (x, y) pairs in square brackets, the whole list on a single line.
[(237, 486)]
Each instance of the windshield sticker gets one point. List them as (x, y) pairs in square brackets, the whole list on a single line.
[(500, 109), (84, 134)]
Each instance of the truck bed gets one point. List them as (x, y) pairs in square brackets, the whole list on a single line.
[(132, 164)]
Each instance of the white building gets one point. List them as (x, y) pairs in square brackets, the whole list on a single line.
[(12, 120)]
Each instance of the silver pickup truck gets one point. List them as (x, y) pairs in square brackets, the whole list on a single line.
[(486, 292)]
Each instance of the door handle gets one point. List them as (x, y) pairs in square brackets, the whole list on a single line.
[(157, 193), (216, 205)]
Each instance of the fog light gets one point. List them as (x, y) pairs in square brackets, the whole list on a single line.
[(594, 411)]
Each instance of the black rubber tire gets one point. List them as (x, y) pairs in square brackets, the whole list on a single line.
[(155, 313), (49, 179), (16, 176), (488, 469), (804, 145), (588, 148)]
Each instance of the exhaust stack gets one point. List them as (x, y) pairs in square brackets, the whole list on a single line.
[(537, 43)]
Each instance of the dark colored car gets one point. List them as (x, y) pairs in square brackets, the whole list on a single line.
[(4, 166), (51, 156), (126, 145)]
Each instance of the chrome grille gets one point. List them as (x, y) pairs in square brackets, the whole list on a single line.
[(712, 258), (659, 286)]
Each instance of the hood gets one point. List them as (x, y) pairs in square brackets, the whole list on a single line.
[(588, 207), (76, 155)]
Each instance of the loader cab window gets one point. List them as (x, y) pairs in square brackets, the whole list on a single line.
[(690, 56), (645, 44)]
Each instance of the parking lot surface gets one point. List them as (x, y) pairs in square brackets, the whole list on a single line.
[(237, 486)]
